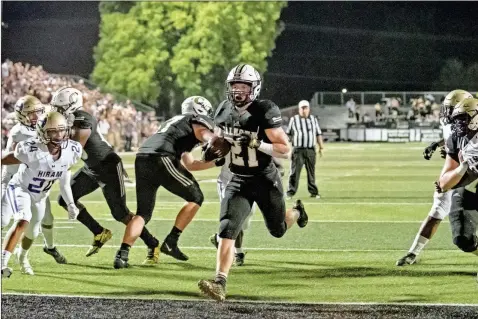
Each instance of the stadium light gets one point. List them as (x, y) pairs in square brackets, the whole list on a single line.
[(344, 90)]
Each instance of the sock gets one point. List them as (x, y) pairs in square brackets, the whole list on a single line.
[(239, 251), (221, 278), (149, 239), (174, 235), (418, 244), (48, 236), (23, 252), (125, 247), (5, 258), (86, 219)]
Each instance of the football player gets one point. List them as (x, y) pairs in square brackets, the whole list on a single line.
[(441, 200), (158, 163), (45, 160), (27, 111), (103, 169), (222, 180), (460, 175), (255, 129)]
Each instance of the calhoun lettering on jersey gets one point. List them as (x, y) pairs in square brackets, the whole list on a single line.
[(50, 174)]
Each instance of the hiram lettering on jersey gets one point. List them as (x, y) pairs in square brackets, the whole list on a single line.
[(49, 174)]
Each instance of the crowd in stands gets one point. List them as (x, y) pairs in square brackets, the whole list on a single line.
[(422, 109), (120, 123)]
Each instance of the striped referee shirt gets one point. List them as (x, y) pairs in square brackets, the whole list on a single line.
[(304, 131)]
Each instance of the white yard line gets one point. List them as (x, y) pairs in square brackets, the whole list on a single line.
[(305, 202), (264, 248), (64, 220)]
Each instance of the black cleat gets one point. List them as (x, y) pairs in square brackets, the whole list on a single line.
[(59, 258), (214, 241), (121, 259), (408, 259), (173, 251), (303, 218), (239, 259)]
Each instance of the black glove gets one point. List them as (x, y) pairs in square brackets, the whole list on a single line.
[(428, 152), (473, 164), (443, 152), (245, 140), (220, 162)]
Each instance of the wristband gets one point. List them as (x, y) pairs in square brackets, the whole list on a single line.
[(461, 170), (266, 148)]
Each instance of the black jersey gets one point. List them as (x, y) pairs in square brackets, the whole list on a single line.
[(175, 136), (259, 116), (96, 148), (454, 145)]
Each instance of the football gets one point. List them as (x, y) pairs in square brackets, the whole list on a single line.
[(216, 148)]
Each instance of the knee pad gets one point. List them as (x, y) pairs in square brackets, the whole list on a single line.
[(228, 230), (32, 231), (467, 245)]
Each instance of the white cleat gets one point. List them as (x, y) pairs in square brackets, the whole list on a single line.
[(6, 272), (25, 266)]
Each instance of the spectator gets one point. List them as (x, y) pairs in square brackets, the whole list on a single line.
[(351, 107)]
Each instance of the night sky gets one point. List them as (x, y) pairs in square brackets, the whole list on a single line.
[(325, 45)]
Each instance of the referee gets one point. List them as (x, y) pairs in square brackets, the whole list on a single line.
[(305, 133)]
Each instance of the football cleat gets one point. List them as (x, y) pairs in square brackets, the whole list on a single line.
[(173, 251), (25, 266), (7, 272), (408, 259), (239, 259), (98, 242), (59, 258), (288, 197), (214, 241), (303, 218), (212, 289), (121, 259), (315, 196), (153, 256)]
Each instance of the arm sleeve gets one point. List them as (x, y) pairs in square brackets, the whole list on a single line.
[(21, 152), (272, 118), (65, 188)]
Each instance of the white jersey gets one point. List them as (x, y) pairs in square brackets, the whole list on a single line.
[(41, 171), (18, 133)]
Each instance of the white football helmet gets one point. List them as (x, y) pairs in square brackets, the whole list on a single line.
[(243, 73), (26, 107), (67, 100), (197, 105), (53, 128)]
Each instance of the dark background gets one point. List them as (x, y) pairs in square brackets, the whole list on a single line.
[(325, 46)]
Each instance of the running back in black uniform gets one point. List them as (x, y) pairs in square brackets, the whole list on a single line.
[(464, 204), (158, 163), (255, 177), (103, 168)]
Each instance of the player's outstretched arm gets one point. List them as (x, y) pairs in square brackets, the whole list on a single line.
[(67, 194), (194, 165), (452, 173), (10, 159)]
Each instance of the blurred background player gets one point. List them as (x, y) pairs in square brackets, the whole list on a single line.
[(103, 169), (441, 200), (255, 129), (46, 160), (28, 109), (158, 163)]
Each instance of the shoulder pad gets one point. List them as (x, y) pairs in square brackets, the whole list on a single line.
[(204, 121)]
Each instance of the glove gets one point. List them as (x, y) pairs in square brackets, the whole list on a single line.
[(443, 152), (245, 140), (473, 164), (73, 211), (428, 152), (220, 162)]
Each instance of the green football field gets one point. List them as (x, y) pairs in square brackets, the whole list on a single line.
[(374, 197)]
